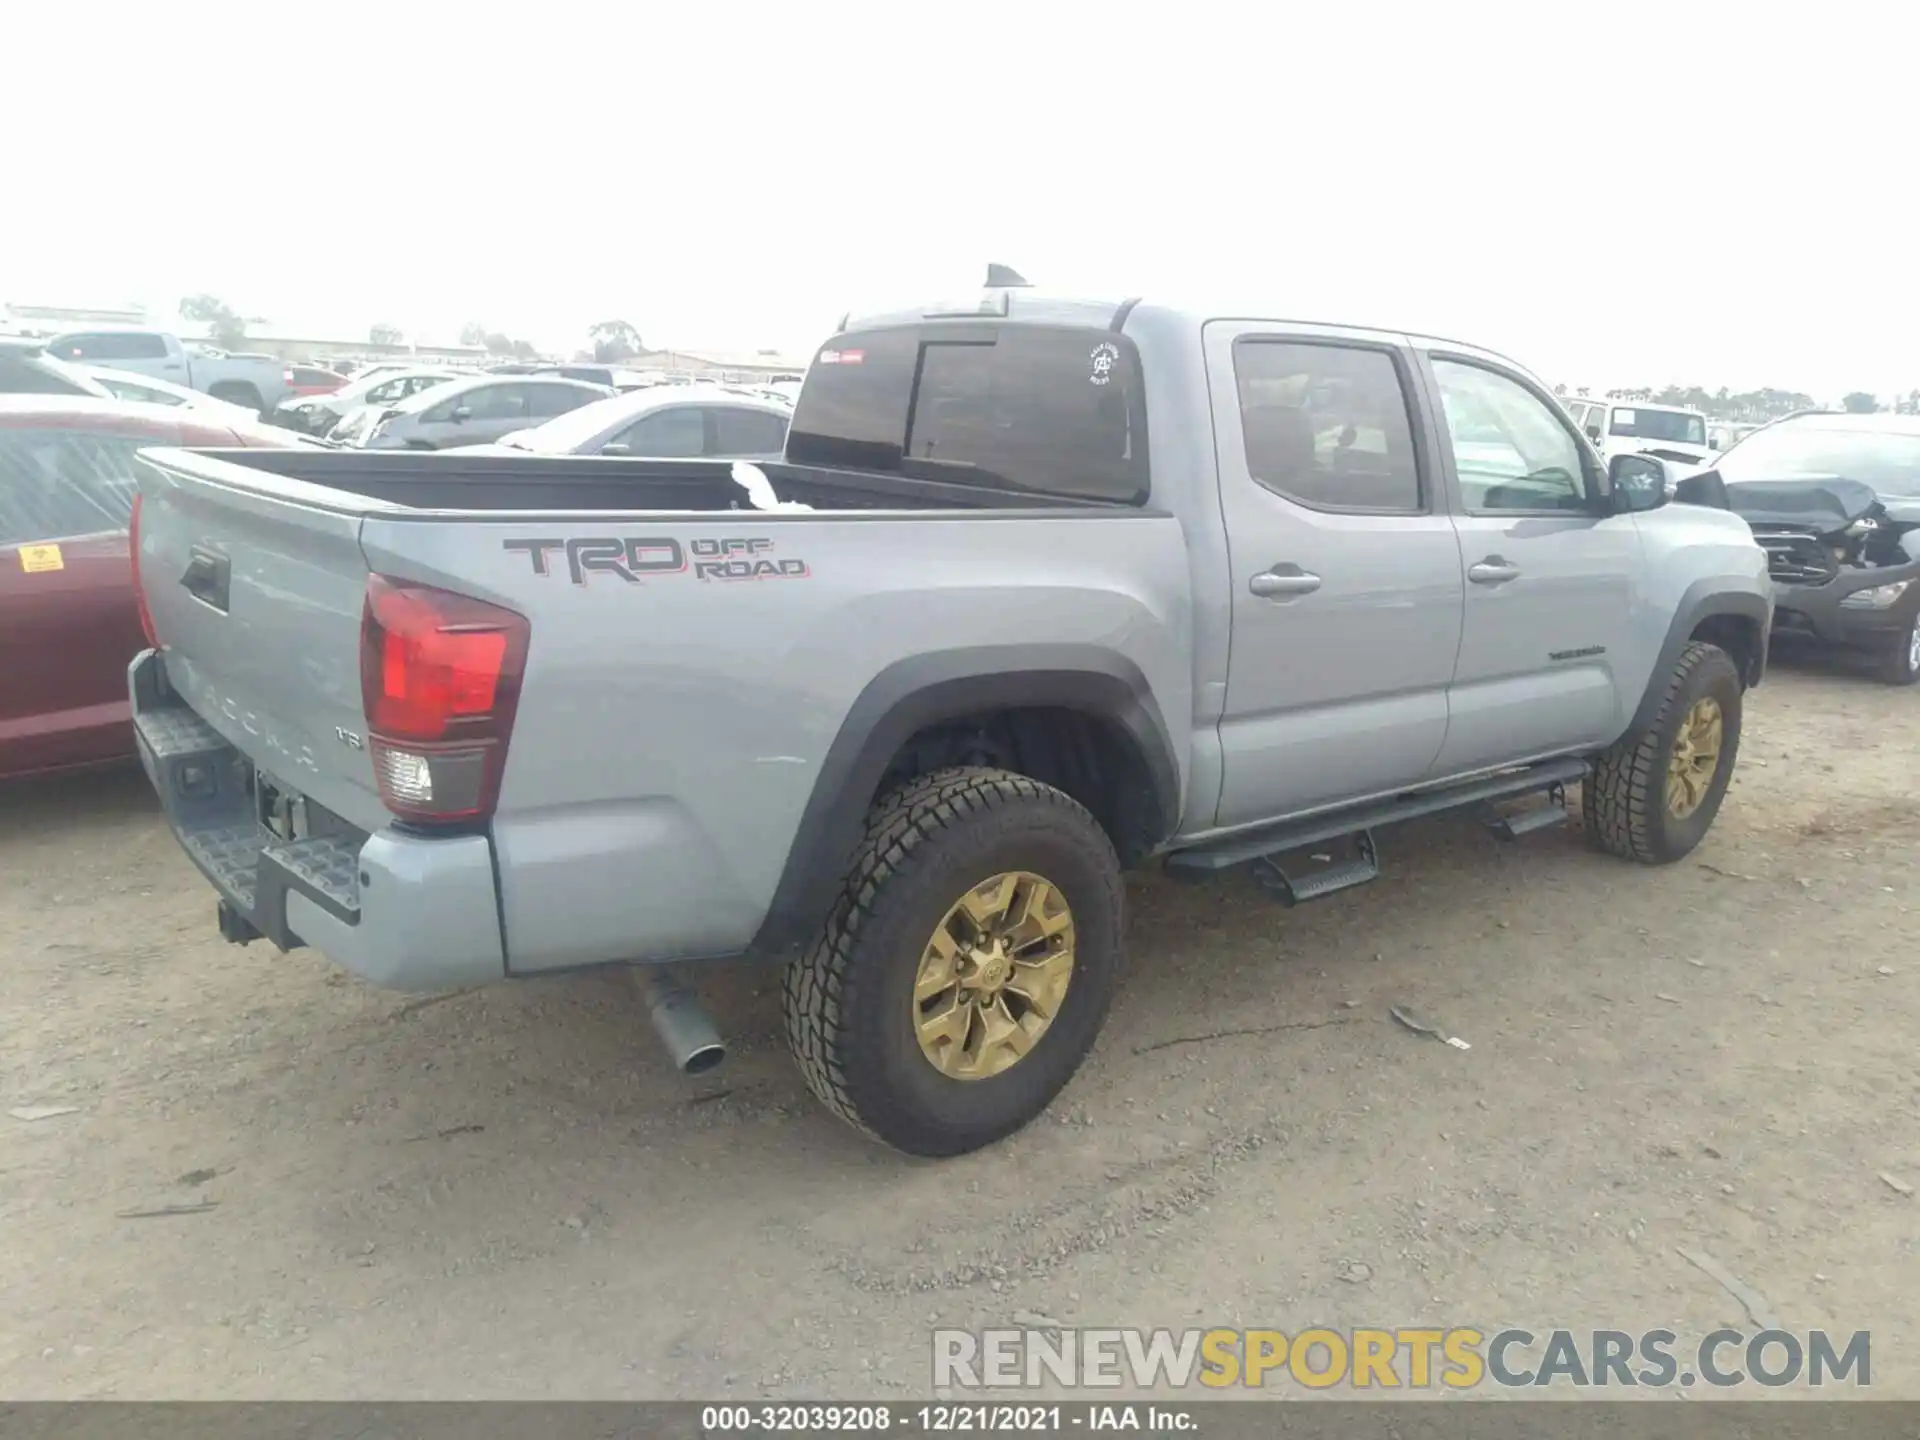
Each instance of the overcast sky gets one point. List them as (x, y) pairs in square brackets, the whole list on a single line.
[(1613, 193)]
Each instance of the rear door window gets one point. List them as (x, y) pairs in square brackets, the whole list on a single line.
[(443, 412), (675, 434), (389, 390), (1327, 425), (1051, 410), (739, 431), (546, 401), (494, 402), (57, 483)]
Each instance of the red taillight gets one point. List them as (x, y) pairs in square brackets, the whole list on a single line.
[(139, 589), (439, 679)]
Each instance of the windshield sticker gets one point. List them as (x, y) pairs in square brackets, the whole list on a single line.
[(1105, 356), (37, 558), (1623, 417), (842, 357)]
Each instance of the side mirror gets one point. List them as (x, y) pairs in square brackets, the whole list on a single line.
[(1703, 487), (1593, 433), (1639, 483), (462, 414)]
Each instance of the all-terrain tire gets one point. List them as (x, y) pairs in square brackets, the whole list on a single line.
[(849, 1002), (1897, 663), (1624, 800)]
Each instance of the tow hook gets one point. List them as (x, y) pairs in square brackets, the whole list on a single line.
[(235, 928)]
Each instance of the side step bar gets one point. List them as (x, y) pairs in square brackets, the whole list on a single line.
[(1292, 890), (1550, 776), (1512, 824)]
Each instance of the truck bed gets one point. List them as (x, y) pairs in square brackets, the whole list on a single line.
[(691, 666), (450, 480)]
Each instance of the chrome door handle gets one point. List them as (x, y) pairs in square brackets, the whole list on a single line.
[(1493, 571), (1280, 582)]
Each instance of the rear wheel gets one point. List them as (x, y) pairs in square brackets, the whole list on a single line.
[(967, 966), (1652, 796), (1900, 661)]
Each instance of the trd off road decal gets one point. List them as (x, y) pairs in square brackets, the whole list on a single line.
[(738, 558), (639, 556)]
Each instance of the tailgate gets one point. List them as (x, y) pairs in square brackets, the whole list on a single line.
[(256, 584)]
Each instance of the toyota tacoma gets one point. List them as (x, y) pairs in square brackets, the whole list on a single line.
[(1042, 589)]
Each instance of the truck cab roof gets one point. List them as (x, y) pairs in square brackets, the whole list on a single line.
[(1135, 315)]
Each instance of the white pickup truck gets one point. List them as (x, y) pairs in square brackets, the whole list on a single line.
[(257, 382)]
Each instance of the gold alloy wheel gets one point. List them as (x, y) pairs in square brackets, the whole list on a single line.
[(1696, 755), (993, 975)]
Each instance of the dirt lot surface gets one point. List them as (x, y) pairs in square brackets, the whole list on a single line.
[(507, 1193)]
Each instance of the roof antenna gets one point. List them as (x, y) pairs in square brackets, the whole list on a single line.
[(1005, 277)]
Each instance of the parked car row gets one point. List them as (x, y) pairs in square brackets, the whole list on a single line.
[(377, 387), (255, 382), (551, 414), (465, 410), (665, 422)]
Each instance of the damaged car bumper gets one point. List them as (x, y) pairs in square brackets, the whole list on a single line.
[(1866, 607)]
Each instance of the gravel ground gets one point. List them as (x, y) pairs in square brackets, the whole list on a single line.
[(506, 1193)]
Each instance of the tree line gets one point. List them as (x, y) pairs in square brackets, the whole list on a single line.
[(1748, 406)]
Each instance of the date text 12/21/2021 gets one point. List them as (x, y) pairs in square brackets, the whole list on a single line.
[(945, 1418)]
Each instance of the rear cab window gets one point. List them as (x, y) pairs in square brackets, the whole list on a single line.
[(739, 431), (111, 345), (1048, 410)]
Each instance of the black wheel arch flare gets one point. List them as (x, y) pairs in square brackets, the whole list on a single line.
[(921, 691), (1702, 602)]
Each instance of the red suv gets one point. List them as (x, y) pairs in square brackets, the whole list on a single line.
[(68, 622)]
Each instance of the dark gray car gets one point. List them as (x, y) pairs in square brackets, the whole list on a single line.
[(666, 422), (472, 412)]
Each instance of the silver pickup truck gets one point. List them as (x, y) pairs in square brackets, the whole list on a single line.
[(1050, 589)]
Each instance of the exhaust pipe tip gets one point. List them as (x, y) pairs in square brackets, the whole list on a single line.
[(681, 1022)]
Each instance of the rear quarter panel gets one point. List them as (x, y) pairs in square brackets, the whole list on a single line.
[(671, 728)]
